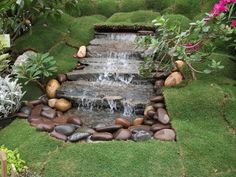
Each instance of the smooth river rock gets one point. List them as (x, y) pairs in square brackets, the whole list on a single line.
[(165, 135), (104, 136), (66, 129), (174, 79), (163, 116), (85, 130), (158, 126), (62, 105), (138, 121), (124, 122), (109, 128), (58, 136), (74, 120), (49, 113), (26, 110), (139, 128), (52, 87), (157, 99), (61, 78), (78, 136), (141, 136), (122, 134)]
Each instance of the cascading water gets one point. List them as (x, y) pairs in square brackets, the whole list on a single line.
[(110, 86)]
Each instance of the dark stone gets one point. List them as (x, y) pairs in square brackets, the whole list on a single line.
[(141, 136), (104, 136), (110, 128), (151, 113), (43, 126), (46, 108), (61, 78), (74, 120), (65, 129), (59, 114), (21, 115), (35, 102), (157, 99), (159, 105), (139, 111), (163, 116), (124, 122), (160, 75), (51, 113), (26, 110), (149, 122), (165, 135), (139, 128), (44, 100), (159, 83), (85, 130), (36, 112), (58, 136), (78, 136), (123, 134), (158, 126)]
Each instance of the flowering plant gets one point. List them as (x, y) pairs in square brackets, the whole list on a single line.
[(193, 45)]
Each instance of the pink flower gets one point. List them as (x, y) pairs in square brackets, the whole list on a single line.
[(233, 23)]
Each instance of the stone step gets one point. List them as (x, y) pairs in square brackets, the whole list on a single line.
[(117, 36), (103, 94), (102, 61)]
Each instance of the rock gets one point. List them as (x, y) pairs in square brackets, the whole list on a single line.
[(85, 130), (43, 126), (158, 126), (36, 112), (151, 114), (58, 136), (60, 120), (141, 136), (157, 99), (138, 121), (109, 128), (159, 83), (149, 122), (180, 64), (82, 52), (124, 122), (63, 105), (46, 108), (165, 135), (50, 113), (59, 114), (44, 100), (78, 136), (98, 125), (52, 87), (26, 110), (65, 129), (163, 116), (148, 108), (174, 79), (104, 136), (159, 105), (35, 102), (21, 115), (61, 78), (160, 75), (24, 57), (52, 102), (122, 134), (139, 128), (74, 120)]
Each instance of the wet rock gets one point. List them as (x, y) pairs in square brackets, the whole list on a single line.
[(138, 121), (65, 129), (60, 120), (78, 136), (157, 99), (85, 130), (139, 128), (52, 102), (149, 122), (124, 122), (151, 114), (158, 126), (61, 78), (165, 135), (104, 136), (82, 52), (163, 116), (141, 136), (52, 87), (58, 136), (49, 113), (36, 112), (110, 128), (159, 105), (174, 79), (26, 110), (148, 108), (74, 120), (122, 134), (63, 105)]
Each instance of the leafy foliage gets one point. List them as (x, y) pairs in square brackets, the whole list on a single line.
[(36, 69), (13, 157), (10, 96), (4, 42)]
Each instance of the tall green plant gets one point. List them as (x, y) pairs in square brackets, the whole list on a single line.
[(4, 57)]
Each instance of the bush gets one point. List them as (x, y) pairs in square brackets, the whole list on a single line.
[(106, 7), (87, 7), (10, 97), (132, 5), (158, 5)]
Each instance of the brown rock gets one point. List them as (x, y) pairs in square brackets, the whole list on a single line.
[(74, 120), (151, 114), (158, 126), (160, 75), (148, 108), (59, 114), (124, 122), (149, 122), (52, 87), (138, 121), (58, 136), (174, 79), (45, 127), (50, 114), (139, 128), (159, 105), (86, 130), (110, 128), (122, 134), (82, 52), (44, 100), (60, 120), (165, 135), (105, 136), (180, 64), (159, 83), (52, 102), (21, 115), (63, 105), (157, 99), (36, 111), (35, 102), (61, 78), (163, 116)]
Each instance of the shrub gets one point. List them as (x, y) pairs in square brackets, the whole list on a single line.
[(158, 5), (10, 96), (4, 43), (132, 5), (106, 7), (87, 7)]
